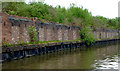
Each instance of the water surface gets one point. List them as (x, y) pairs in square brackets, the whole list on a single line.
[(95, 57)]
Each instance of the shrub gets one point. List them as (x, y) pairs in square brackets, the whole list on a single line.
[(87, 36), (33, 34)]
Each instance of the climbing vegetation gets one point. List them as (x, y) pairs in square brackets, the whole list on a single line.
[(33, 34)]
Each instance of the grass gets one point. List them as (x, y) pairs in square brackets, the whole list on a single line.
[(5, 44)]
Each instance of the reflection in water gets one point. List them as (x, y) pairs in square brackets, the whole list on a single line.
[(107, 63), (100, 57)]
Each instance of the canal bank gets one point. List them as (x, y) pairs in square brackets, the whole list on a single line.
[(19, 52), (16, 29), (100, 56)]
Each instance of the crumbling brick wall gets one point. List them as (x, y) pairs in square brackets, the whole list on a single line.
[(0, 30), (6, 29), (59, 29), (66, 33), (15, 34), (41, 33), (105, 34), (74, 34), (54, 32), (49, 33), (15, 29)]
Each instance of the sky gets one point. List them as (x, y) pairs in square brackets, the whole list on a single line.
[(106, 8)]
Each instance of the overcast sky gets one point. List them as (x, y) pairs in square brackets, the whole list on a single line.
[(106, 8)]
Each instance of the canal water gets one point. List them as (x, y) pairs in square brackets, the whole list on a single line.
[(103, 56)]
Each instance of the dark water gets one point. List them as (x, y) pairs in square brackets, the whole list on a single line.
[(95, 57)]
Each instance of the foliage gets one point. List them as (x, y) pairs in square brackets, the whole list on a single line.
[(5, 44), (87, 36), (33, 34), (102, 22), (47, 13), (22, 43)]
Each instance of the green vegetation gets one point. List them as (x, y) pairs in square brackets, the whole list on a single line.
[(116, 36), (78, 16), (5, 44), (33, 34), (87, 36)]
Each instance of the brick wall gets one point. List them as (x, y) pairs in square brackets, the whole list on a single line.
[(65, 34), (26, 35), (6, 29), (21, 30), (74, 34), (49, 33), (59, 33), (54, 32), (41, 34), (15, 34), (0, 30), (14, 29)]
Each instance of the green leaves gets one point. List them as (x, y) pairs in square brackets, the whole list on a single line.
[(73, 14), (87, 36), (33, 34)]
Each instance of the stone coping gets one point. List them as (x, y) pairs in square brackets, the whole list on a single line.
[(33, 46)]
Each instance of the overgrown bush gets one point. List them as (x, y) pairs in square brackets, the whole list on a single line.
[(87, 36), (73, 14), (33, 34)]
